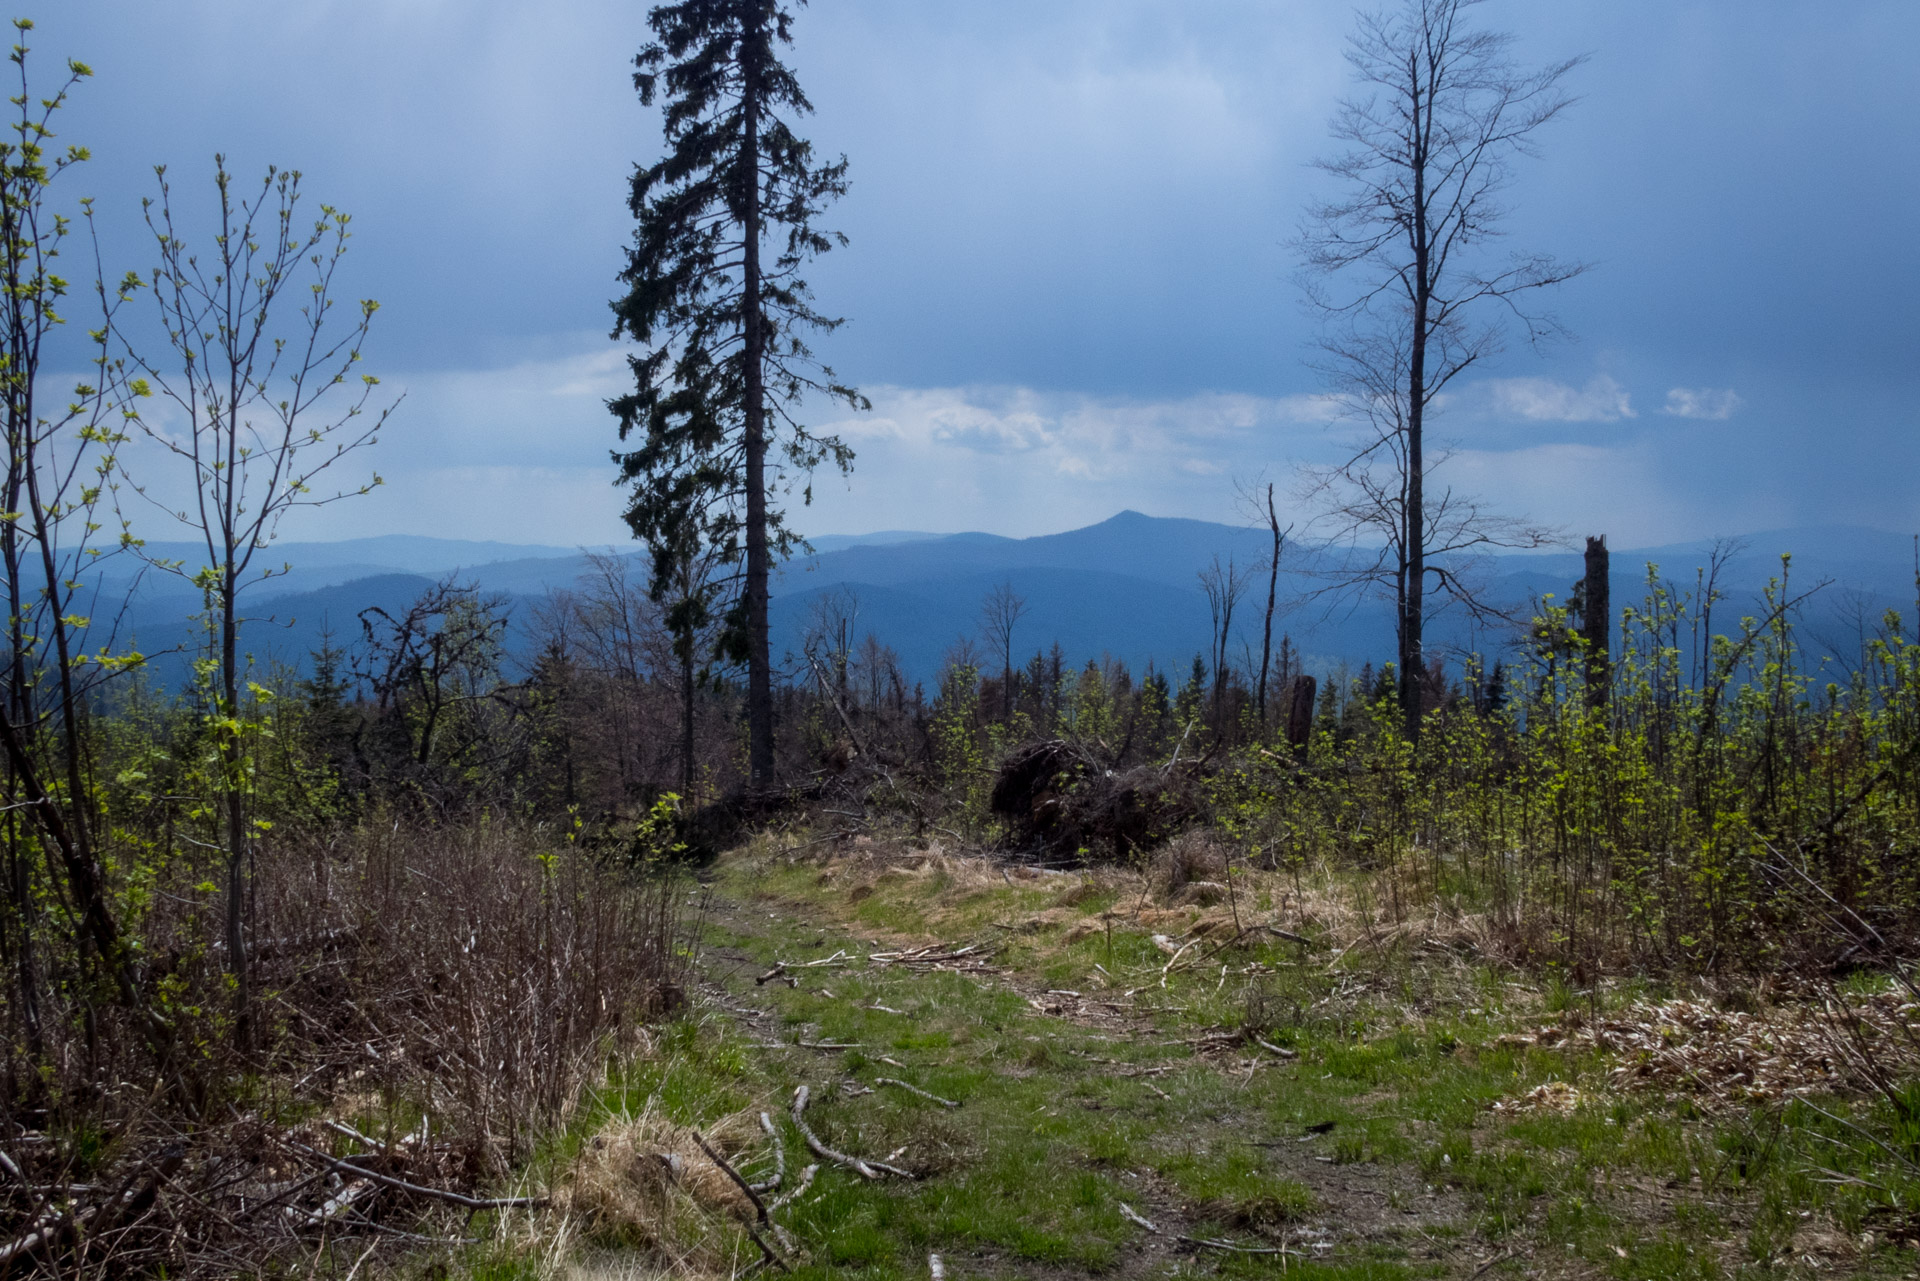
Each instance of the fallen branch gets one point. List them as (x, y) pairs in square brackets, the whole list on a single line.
[(914, 1089), (1274, 1049), (779, 1156), (797, 1191), (334, 1206), (780, 968), (1488, 1266), (439, 1194), (1131, 1069), (865, 1169), (40, 1232), (759, 1207), (726, 1168), (135, 1198), (930, 955)]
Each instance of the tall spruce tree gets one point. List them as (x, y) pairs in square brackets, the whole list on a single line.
[(716, 302)]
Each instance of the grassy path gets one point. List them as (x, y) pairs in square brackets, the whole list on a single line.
[(1367, 1146)]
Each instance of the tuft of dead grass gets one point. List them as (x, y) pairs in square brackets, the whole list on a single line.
[(1194, 855), (642, 1183)]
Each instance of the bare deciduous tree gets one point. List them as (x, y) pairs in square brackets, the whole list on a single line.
[(1224, 585), (1258, 502), (1002, 609), (1396, 265)]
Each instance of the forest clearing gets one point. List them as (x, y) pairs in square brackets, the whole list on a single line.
[(1383, 886), (1140, 1074)]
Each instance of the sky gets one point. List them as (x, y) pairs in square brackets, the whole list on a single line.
[(1070, 286)]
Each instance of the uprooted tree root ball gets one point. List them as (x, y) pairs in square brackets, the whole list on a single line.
[(1060, 796)]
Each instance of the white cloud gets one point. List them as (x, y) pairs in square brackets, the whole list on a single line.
[(1019, 461), (1602, 400), (520, 453), (1716, 404)]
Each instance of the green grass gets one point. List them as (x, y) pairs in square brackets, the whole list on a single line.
[(1417, 1176)]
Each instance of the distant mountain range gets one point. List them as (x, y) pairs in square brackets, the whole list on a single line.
[(1126, 587)]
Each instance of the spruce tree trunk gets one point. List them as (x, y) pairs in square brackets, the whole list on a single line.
[(686, 716), (759, 660), (1301, 692)]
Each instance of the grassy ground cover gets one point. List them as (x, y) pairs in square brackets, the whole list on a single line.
[(1412, 1112)]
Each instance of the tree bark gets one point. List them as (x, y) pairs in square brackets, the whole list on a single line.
[(686, 716), (1273, 588), (231, 750), (1414, 551), (759, 660), (1301, 692), (1596, 623)]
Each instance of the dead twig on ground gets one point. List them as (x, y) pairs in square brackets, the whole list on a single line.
[(865, 1169), (767, 1254), (438, 1194), (779, 1156), (914, 1089)]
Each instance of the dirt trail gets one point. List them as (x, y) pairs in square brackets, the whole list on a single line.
[(1186, 1136)]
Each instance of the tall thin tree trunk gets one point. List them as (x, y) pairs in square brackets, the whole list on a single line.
[(1006, 680), (1273, 587), (1414, 581), (21, 911), (686, 716), (231, 749), (759, 660)]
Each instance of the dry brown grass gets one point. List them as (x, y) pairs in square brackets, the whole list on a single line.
[(642, 1183), (464, 983), (1194, 855), (1734, 1058)]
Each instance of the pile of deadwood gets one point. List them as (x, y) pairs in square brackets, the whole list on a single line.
[(1819, 1043), (1058, 796)]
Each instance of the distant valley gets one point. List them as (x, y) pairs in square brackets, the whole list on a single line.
[(1126, 587)]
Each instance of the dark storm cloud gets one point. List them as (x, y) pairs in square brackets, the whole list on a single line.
[(1074, 215)]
